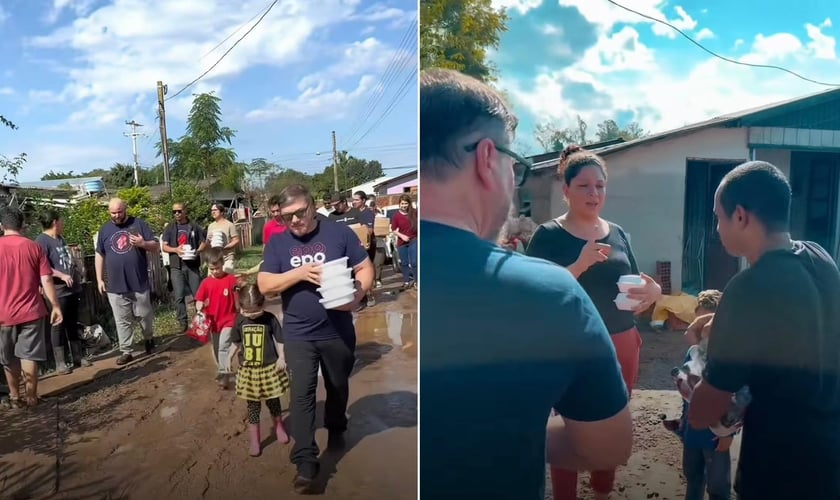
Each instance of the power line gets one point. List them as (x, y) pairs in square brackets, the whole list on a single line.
[(400, 94), (226, 52), (733, 61), (405, 52), (387, 148), (246, 23)]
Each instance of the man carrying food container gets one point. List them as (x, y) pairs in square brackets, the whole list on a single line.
[(310, 265)]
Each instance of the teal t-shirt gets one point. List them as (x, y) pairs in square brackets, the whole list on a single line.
[(504, 339)]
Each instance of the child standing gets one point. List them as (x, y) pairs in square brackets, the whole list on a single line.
[(262, 377), (706, 459), (216, 298)]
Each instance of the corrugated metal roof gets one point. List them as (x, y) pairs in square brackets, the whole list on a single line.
[(694, 127), (55, 183)]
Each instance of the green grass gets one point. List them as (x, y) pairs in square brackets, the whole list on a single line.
[(248, 258)]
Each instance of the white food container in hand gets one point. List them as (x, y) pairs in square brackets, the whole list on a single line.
[(338, 301), (337, 291), (342, 263), (334, 272), (629, 281), (625, 303)]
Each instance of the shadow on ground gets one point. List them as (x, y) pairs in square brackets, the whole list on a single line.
[(369, 415)]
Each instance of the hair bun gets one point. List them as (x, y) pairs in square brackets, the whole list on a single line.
[(570, 150)]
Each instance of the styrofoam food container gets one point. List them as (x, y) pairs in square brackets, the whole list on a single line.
[(337, 292), (338, 282), (337, 302), (342, 262), (628, 281), (625, 303), (335, 271)]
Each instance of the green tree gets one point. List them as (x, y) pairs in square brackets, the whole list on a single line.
[(456, 34), (10, 167), (84, 221), (553, 138), (202, 152), (195, 199)]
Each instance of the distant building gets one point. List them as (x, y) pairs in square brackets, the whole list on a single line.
[(404, 183)]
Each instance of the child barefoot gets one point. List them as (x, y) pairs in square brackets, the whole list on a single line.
[(216, 298), (262, 376)]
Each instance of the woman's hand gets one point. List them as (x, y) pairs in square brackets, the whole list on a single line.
[(280, 365), (647, 294), (592, 253)]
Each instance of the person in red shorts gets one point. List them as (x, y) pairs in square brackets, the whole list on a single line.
[(24, 270), (216, 298)]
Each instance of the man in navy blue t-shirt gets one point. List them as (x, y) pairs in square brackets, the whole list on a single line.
[(313, 336), (122, 271), (505, 338)]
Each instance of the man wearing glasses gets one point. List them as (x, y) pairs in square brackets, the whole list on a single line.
[(313, 337), (495, 322), (183, 240)]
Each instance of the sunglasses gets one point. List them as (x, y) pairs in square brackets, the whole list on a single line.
[(521, 167), (176, 212), (300, 214)]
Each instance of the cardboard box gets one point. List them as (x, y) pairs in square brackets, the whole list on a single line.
[(362, 233), (381, 226)]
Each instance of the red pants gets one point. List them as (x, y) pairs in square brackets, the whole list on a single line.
[(564, 482)]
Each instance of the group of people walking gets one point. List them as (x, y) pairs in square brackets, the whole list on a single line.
[(526, 359)]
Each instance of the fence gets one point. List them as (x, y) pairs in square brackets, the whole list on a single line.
[(94, 304)]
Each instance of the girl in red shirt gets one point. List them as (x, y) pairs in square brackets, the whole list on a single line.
[(404, 225), (217, 299)]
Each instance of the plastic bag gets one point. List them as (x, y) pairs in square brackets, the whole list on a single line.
[(200, 329)]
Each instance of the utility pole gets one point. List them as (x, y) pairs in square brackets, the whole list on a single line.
[(335, 162), (134, 135), (164, 144)]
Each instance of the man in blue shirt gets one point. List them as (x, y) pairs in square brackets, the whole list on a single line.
[(312, 335), (505, 338), (122, 271)]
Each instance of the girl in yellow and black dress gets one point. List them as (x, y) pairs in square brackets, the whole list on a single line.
[(258, 343)]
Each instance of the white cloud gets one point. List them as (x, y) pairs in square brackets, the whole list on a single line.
[(124, 48), (320, 95), (521, 6), (3, 15), (821, 45), (704, 34), (7, 91), (316, 98), (631, 77), (683, 22)]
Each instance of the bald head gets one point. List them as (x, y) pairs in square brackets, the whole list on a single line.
[(117, 209)]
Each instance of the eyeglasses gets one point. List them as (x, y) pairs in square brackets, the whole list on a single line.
[(521, 167), (300, 214)]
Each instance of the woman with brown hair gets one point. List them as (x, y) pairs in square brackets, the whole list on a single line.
[(404, 225), (597, 253)]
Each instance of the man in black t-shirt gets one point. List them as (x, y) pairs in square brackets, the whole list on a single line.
[(777, 331), (342, 212), (183, 240)]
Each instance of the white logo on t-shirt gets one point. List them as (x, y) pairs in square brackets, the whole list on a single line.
[(315, 253)]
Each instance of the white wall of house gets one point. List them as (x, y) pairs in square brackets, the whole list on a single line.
[(646, 191)]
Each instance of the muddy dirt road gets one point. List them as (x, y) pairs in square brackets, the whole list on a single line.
[(162, 429), (655, 469)]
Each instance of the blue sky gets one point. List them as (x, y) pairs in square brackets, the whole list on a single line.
[(74, 71), (561, 58)]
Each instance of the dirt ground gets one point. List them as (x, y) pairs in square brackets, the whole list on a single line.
[(161, 428), (655, 469)]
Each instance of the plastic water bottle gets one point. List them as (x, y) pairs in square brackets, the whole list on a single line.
[(734, 416)]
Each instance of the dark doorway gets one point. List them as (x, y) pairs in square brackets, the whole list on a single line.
[(705, 262), (814, 180)]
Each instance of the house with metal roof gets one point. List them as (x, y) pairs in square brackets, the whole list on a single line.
[(661, 187)]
